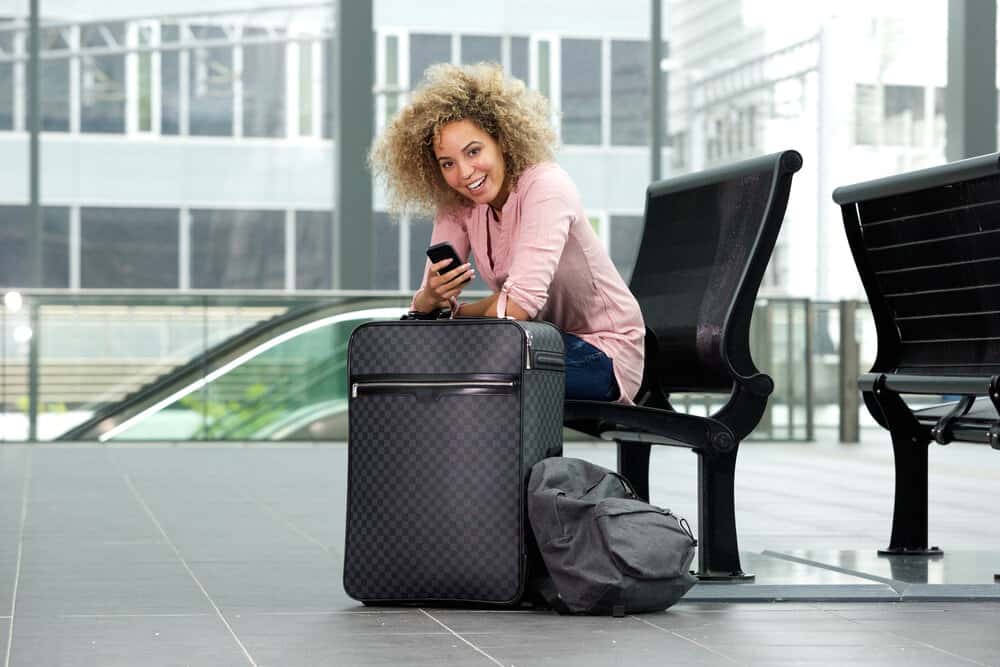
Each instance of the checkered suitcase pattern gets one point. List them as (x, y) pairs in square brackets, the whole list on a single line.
[(439, 457)]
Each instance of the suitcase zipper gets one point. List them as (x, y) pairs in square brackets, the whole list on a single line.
[(527, 350), (429, 384)]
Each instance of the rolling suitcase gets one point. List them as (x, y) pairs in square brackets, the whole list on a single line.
[(446, 419)]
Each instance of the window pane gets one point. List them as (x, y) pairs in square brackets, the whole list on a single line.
[(420, 238), (16, 252), (581, 91), (544, 68), (386, 256), (55, 246), (145, 99), (313, 250), (866, 116), (519, 58), (626, 235), (476, 49), (904, 115), (426, 50), (211, 86), (170, 83), (237, 249), (305, 88), (630, 99), (7, 82), (327, 88), (391, 76), (55, 95), (263, 88), (128, 248), (102, 80)]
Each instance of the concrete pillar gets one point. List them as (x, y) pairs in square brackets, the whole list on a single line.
[(353, 108), (971, 100)]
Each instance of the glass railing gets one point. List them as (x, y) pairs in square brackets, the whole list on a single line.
[(238, 367), (67, 358)]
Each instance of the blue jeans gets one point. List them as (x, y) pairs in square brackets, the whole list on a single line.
[(589, 372)]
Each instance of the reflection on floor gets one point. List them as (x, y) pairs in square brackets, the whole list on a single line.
[(231, 555)]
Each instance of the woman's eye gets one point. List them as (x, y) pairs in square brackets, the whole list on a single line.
[(473, 152), (446, 165)]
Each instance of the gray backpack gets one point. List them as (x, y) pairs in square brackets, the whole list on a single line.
[(606, 551)]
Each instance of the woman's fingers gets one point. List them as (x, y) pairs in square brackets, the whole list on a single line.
[(459, 272), (451, 282)]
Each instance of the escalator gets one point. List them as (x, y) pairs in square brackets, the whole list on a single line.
[(282, 379)]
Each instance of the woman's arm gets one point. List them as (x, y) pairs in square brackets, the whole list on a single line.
[(488, 308)]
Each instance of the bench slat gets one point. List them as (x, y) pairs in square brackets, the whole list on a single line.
[(940, 277), (977, 327), (958, 251)]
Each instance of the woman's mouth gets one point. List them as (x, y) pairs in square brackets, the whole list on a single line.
[(477, 185)]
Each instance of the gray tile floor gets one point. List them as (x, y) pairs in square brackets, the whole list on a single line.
[(231, 555)]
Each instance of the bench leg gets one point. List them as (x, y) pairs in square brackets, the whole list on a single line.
[(909, 512), (633, 464), (718, 551)]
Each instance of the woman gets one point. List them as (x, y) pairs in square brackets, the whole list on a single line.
[(476, 148)]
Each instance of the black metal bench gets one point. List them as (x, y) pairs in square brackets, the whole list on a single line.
[(927, 247), (707, 239)]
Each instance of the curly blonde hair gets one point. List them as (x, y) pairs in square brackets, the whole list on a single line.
[(515, 116)]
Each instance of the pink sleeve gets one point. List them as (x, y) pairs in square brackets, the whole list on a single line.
[(447, 228), (546, 214)]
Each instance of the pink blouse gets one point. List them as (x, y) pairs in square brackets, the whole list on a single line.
[(547, 258)]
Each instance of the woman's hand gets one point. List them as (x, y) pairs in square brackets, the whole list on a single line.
[(438, 290)]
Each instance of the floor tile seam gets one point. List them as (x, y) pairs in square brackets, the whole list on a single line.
[(329, 612), (152, 516), (896, 635), (159, 615), (690, 640), (276, 515), (462, 639), (25, 488), (332, 550), (898, 586)]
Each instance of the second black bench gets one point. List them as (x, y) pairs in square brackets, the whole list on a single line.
[(927, 248)]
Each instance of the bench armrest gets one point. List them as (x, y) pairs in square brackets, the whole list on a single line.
[(929, 384)]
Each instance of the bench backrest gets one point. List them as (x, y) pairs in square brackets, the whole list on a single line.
[(927, 248), (707, 240)]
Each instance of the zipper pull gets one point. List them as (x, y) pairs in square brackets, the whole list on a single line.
[(527, 349)]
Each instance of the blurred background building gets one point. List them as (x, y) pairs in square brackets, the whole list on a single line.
[(191, 149)]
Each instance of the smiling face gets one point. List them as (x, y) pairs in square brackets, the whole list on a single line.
[(471, 162)]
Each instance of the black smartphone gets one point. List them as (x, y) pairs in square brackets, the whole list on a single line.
[(442, 251)]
